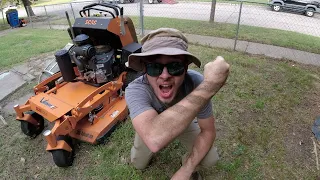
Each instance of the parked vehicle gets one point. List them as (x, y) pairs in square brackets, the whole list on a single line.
[(152, 1), (307, 7)]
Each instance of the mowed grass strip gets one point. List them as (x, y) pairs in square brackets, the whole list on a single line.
[(274, 37)]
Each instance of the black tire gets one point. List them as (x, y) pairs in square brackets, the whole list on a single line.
[(63, 158), (131, 75), (276, 7), (32, 130), (150, 1), (131, 1), (159, 1), (310, 12)]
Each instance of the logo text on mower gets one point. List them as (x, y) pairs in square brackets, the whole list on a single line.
[(45, 102), (87, 135), (91, 22)]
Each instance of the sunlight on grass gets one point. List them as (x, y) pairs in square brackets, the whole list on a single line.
[(248, 33), (24, 43), (50, 2)]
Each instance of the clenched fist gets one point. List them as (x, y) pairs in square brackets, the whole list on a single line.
[(215, 74)]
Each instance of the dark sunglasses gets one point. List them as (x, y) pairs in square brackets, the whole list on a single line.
[(174, 68)]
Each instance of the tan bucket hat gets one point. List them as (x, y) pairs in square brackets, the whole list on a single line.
[(163, 41)]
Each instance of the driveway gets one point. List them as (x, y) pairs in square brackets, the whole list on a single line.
[(252, 15)]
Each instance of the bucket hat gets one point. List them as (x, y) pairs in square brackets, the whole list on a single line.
[(163, 41)]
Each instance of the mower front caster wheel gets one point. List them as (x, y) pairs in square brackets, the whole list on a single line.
[(30, 129), (62, 158)]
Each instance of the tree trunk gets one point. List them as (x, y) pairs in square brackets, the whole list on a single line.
[(27, 6), (213, 10)]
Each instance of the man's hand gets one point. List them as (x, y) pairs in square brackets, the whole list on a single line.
[(182, 174), (215, 75)]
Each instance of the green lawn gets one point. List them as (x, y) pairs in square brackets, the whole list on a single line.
[(49, 2), (248, 33), (24, 43), (275, 37), (264, 115)]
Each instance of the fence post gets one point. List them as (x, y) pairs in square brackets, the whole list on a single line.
[(238, 26), (45, 9), (30, 19), (141, 18), (74, 16)]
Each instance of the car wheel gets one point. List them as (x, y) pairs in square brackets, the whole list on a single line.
[(131, 1), (159, 1), (122, 1), (310, 12), (276, 7), (150, 1)]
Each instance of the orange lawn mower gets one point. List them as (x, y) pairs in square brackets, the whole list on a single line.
[(85, 98)]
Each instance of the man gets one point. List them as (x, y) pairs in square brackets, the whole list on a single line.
[(170, 102)]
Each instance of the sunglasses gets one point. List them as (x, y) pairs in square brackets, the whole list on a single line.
[(174, 69)]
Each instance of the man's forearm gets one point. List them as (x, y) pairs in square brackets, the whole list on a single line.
[(201, 147), (178, 117)]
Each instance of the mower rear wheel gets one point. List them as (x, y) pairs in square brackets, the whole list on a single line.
[(30, 129), (61, 157)]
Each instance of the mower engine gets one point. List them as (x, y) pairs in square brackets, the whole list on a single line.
[(96, 64)]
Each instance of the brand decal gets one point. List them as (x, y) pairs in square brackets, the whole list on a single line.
[(84, 134), (91, 22), (45, 102)]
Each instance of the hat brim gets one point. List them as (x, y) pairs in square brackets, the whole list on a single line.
[(135, 60)]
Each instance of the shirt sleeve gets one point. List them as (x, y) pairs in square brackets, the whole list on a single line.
[(138, 99)]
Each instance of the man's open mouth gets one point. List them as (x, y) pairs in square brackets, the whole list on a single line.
[(166, 91)]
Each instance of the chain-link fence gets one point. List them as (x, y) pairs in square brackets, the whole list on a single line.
[(239, 16)]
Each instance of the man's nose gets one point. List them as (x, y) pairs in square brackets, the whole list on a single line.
[(165, 74)]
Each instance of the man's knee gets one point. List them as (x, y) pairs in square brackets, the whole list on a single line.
[(211, 158), (140, 159)]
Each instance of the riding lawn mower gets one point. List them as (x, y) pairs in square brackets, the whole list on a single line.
[(85, 99)]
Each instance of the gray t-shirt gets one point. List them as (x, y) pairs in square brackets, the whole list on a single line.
[(140, 96)]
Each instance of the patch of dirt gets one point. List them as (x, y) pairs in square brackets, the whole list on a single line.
[(298, 143)]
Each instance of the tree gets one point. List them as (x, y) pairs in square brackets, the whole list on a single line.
[(27, 7), (213, 10), (26, 4)]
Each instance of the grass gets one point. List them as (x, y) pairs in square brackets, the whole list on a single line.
[(246, 33), (49, 2), (4, 24), (24, 43), (266, 108)]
